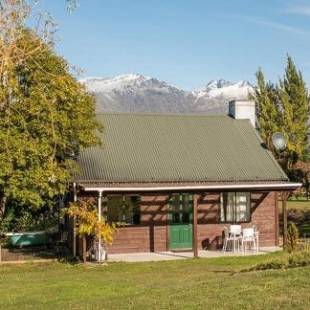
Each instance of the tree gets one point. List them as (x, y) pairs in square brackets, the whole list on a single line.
[(14, 15), (89, 224), (292, 237), (295, 107), (284, 108), (268, 111), (46, 117), (301, 173)]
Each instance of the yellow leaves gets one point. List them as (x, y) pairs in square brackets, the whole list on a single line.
[(106, 231), (88, 223)]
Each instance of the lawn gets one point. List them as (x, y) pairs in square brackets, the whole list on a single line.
[(303, 205), (189, 284), (299, 213)]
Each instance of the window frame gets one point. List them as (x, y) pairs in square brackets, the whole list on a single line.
[(184, 203), (223, 208), (123, 196)]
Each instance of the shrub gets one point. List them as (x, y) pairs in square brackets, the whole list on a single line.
[(89, 225), (292, 260), (299, 259), (275, 263), (292, 237), (21, 219)]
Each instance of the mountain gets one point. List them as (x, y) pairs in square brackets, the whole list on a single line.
[(215, 96), (138, 93)]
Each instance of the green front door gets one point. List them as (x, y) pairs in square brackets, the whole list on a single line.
[(180, 221)]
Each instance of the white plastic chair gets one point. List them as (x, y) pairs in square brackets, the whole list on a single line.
[(235, 233), (227, 239), (235, 230), (249, 236), (233, 236), (256, 234)]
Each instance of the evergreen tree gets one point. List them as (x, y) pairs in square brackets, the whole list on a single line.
[(284, 108), (268, 113), (294, 100)]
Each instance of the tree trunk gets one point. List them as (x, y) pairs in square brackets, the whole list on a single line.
[(84, 249), (284, 197), (2, 204)]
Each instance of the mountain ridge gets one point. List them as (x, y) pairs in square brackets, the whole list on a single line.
[(138, 93)]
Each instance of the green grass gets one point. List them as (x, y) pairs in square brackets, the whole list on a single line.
[(303, 205), (187, 284), (299, 213)]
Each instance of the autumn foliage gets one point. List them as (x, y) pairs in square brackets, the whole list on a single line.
[(88, 224)]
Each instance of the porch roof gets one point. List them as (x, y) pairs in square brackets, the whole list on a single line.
[(169, 148), (202, 186)]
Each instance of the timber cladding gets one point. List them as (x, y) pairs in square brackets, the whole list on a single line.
[(263, 210), (152, 234)]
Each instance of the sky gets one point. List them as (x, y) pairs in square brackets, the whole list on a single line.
[(186, 43)]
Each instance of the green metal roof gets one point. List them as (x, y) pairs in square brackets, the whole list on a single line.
[(177, 148)]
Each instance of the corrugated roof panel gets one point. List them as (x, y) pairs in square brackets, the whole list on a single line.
[(174, 148)]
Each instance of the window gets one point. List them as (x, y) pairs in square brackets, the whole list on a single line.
[(181, 208), (235, 207), (123, 209)]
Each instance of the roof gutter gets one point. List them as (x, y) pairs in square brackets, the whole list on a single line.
[(274, 186)]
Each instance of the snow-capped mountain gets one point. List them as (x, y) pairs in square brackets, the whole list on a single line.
[(215, 84), (225, 88), (215, 96), (138, 93)]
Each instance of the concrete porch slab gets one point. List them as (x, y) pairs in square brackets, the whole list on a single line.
[(165, 256)]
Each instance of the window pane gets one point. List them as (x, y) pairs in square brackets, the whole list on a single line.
[(180, 208), (185, 218), (135, 201), (176, 218), (123, 209), (114, 203), (185, 200), (242, 207), (230, 207), (223, 204), (235, 207)]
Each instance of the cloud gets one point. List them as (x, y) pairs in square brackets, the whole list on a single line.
[(273, 25), (300, 9), (280, 26)]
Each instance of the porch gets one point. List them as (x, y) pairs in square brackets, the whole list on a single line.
[(169, 255), (168, 223)]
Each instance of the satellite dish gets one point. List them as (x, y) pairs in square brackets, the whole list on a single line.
[(279, 141)]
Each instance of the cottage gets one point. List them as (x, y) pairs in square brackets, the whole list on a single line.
[(177, 180)]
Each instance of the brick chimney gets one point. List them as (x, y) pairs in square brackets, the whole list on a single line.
[(243, 109)]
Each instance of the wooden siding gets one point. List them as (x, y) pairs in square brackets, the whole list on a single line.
[(263, 211), (152, 234)]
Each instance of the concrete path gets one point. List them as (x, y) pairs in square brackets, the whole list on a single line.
[(163, 256)]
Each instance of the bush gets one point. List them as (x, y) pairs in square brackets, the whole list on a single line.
[(292, 237), (299, 259), (18, 219), (276, 263), (292, 260)]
